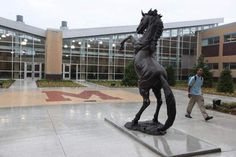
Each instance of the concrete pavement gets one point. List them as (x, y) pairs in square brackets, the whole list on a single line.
[(77, 128)]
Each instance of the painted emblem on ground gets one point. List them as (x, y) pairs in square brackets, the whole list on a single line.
[(59, 95)]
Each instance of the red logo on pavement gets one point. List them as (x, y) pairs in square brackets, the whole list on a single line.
[(58, 95)]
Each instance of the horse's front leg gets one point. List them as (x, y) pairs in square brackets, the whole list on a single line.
[(123, 41), (146, 102)]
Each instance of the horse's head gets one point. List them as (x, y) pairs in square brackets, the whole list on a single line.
[(145, 21)]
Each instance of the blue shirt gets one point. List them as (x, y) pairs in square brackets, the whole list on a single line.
[(196, 86)]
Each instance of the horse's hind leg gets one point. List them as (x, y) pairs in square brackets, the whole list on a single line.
[(146, 102), (157, 93)]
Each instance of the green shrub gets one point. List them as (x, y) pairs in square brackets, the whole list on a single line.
[(225, 83), (207, 75), (130, 78), (108, 83), (6, 83), (57, 83), (230, 105), (171, 78)]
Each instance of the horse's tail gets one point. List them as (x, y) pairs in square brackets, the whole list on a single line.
[(170, 102)]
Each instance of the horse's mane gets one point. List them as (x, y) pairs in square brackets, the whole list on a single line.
[(155, 28), (154, 13)]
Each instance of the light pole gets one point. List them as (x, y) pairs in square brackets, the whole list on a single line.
[(114, 69), (12, 53), (78, 71), (124, 60), (33, 64), (20, 57), (99, 43), (22, 43), (65, 63), (88, 46), (71, 50)]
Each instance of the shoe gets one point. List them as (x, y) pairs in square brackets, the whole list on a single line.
[(188, 116), (208, 118)]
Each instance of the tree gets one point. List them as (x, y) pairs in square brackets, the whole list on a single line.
[(225, 83), (130, 78), (207, 75), (171, 78)]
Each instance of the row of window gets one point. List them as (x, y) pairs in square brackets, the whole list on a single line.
[(230, 37), (211, 41), (185, 31), (94, 48), (215, 66)]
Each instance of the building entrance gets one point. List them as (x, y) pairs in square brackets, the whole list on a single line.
[(66, 71), (33, 70)]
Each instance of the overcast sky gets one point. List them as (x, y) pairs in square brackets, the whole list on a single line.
[(102, 13)]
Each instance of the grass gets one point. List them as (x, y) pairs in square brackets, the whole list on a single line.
[(230, 105), (224, 107), (183, 85), (6, 83), (117, 84), (108, 83), (57, 83)]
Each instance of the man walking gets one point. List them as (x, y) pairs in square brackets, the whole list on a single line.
[(195, 94)]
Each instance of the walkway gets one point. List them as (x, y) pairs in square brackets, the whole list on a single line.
[(26, 93), (78, 128)]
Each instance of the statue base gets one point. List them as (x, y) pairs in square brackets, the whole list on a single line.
[(148, 127)]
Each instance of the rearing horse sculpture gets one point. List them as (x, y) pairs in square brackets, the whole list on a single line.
[(150, 73)]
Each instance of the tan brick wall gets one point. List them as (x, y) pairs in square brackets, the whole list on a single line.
[(218, 31), (53, 49)]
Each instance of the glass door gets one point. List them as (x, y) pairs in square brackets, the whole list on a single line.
[(33, 70), (78, 72), (73, 71), (66, 71), (37, 70), (28, 70)]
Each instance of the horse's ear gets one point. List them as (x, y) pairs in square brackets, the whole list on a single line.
[(150, 10), (142, 13)]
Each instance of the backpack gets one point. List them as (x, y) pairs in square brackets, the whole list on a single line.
[(195, 78)]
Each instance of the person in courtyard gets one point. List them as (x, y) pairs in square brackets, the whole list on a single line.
[(195, 95)]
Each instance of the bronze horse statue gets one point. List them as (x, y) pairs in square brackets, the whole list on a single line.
[(151, 74)]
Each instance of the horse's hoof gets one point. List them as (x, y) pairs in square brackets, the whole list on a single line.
[(161, 129), (161, 132), (134, 122), (155, 121)]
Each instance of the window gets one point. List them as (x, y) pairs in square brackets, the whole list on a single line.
[(213, 65), (226, 65), (232, 65), (193, 30), (211, 41), (204, 42), (230, 37), (206, 27), (174, 32), (166, 33), (229, 65), (186, 31)]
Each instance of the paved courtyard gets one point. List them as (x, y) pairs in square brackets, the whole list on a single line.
[(31, 125)]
